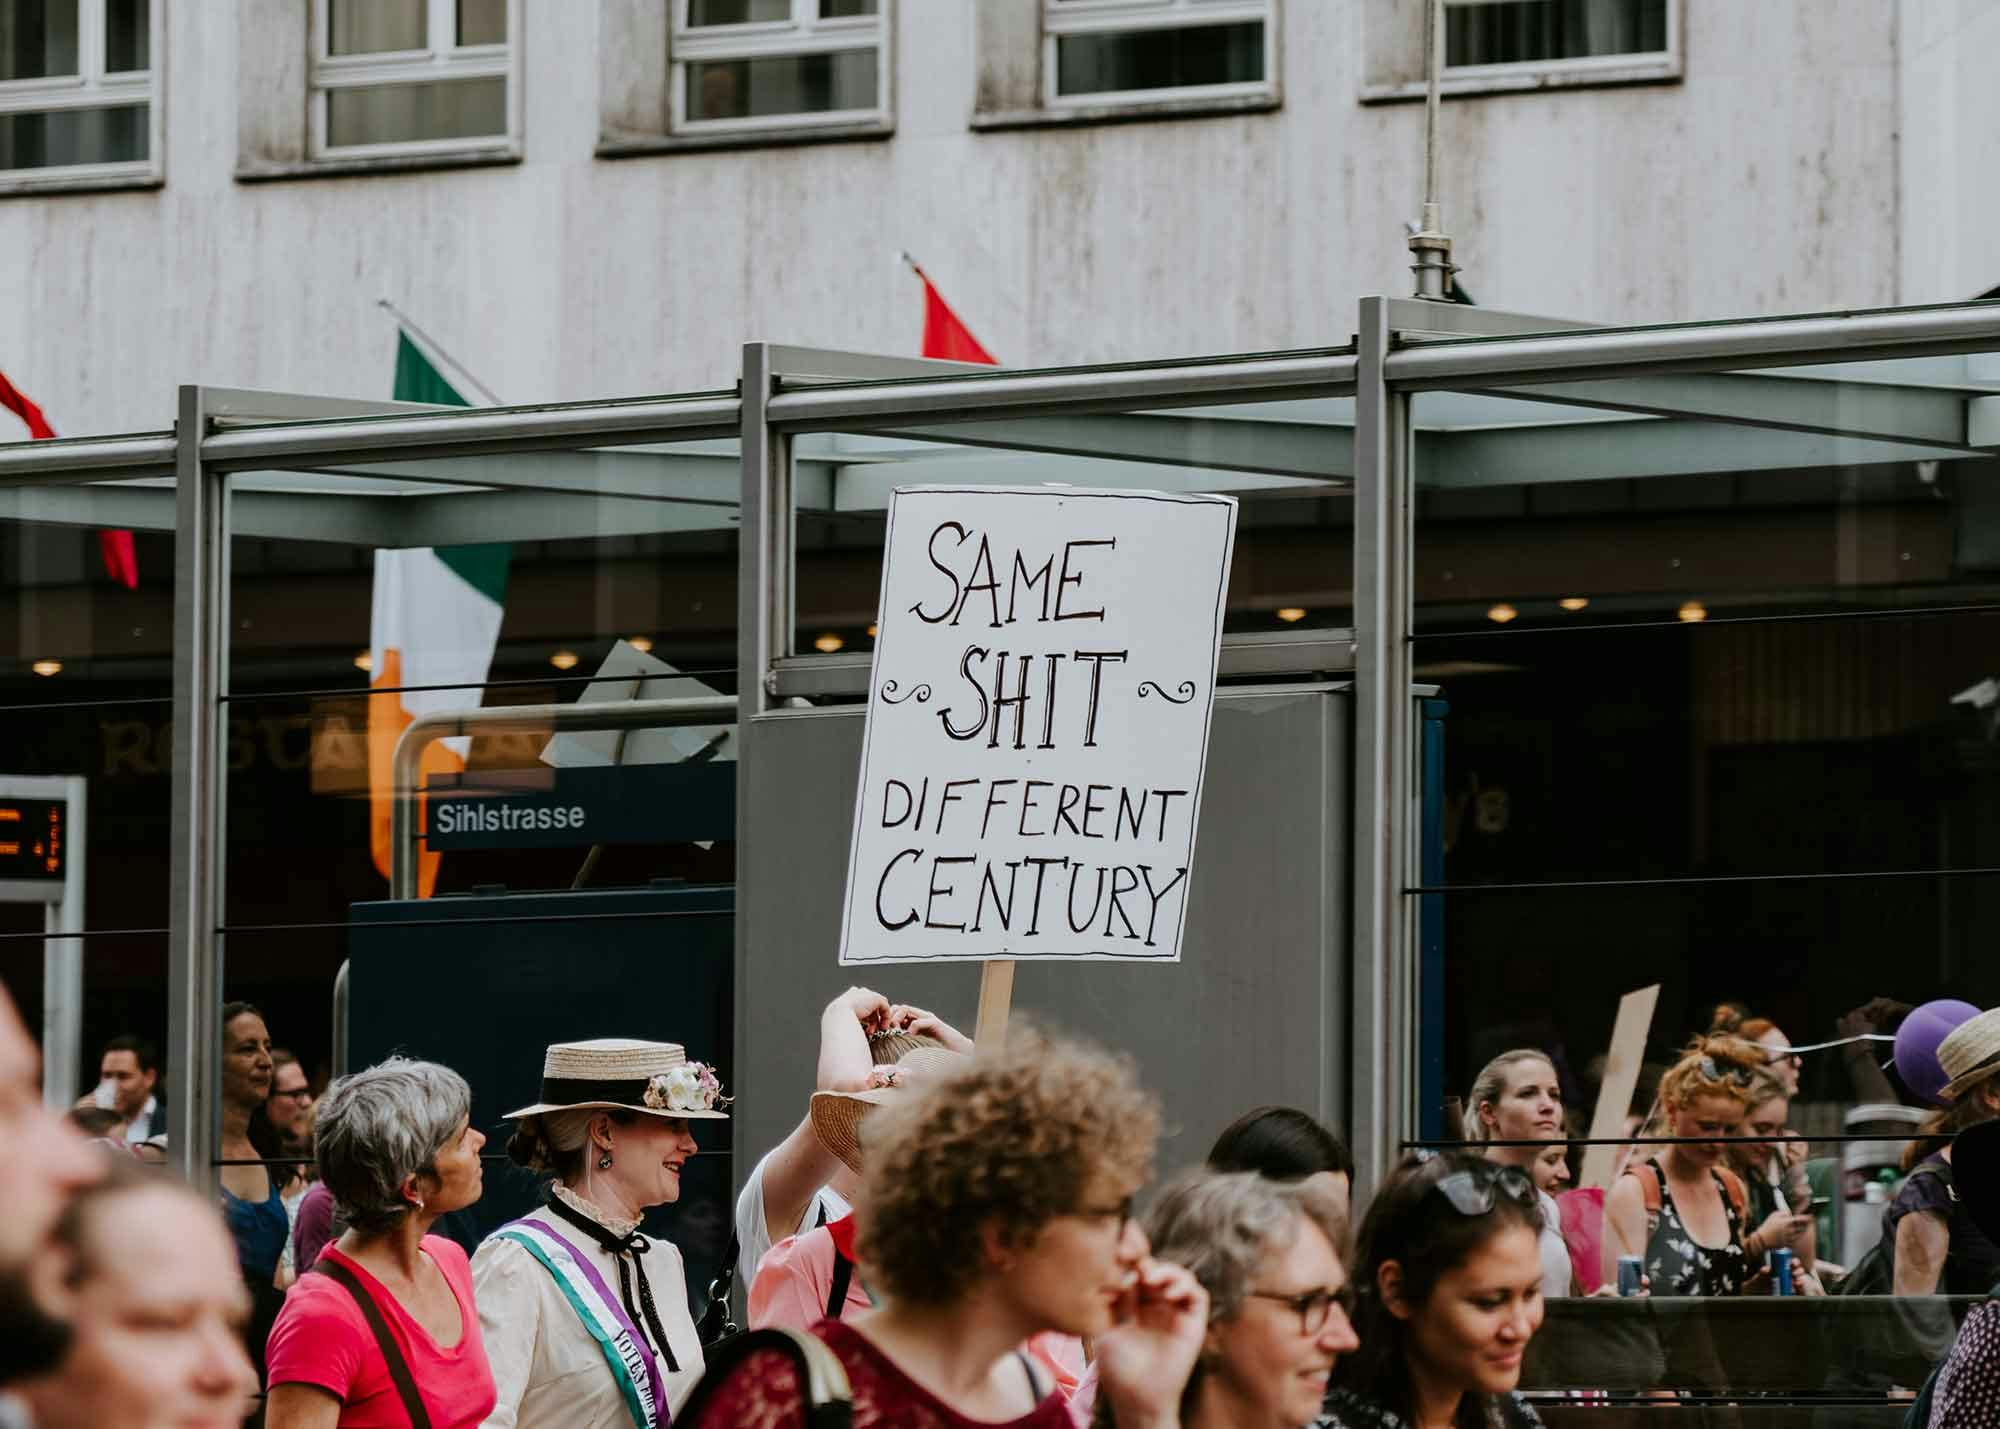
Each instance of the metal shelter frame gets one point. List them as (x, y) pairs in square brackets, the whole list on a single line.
[(1651, 382)]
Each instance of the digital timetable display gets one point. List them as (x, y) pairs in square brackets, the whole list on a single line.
[(33, 838)]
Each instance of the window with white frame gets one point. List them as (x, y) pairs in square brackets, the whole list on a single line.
[(413, 77), (1108, 51), (1539, 35), (79, 101), (751, 65)]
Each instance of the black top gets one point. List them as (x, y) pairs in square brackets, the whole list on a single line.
[(1972, 1265)]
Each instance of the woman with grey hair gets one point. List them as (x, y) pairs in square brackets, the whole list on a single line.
[(382, 1329), (1267, 1256), (587, 1318)]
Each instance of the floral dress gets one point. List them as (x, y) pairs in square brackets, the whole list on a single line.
[(1678, 1264), (1348, 1409)]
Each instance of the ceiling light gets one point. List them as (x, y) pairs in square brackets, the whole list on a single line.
[(47, 667), (1291, 614), (1693, 610), (828, 643), (642, 643), (1502, 613), (563, 659), (364, 661), (871, 632), (1573, 603)]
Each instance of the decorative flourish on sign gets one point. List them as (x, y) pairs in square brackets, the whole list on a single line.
[(1183, 694), (921, 694)]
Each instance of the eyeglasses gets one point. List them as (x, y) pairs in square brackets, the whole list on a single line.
[(1714, 1071), (1313, 1306), (1122, 1212), (295, 1092), (1472, 1192)]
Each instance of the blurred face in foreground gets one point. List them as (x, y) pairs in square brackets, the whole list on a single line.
[(1276, 1353), (1472, 1331), (42, 1164), (1071, 1273), (160, 1306)]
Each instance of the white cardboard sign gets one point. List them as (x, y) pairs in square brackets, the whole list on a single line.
[(1037, 724)]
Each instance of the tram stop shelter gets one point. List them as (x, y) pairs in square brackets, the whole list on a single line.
[(1322, 958)]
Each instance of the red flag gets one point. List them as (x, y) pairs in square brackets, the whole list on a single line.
[(121, 561), (11, 398), (944, 335)]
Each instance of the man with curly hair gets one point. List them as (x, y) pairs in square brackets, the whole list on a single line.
[(996, 1205)]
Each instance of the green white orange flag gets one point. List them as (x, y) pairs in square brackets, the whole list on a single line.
[(435, 621)]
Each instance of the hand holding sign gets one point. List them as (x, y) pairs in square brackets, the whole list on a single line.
[(1031, 774)]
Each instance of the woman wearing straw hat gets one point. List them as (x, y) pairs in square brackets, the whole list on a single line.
[(1939, 1248), (586, 1320), (811, 1276), (799, 1184)]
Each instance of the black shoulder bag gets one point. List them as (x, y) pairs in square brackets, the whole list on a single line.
[(399, 1368)]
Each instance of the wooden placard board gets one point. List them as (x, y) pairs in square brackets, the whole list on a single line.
[(1621, 1075), (1037, 728)]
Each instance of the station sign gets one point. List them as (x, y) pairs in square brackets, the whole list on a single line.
[(34, 839), (575, 807)]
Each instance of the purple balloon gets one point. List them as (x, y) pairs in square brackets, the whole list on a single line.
[(1917, 1043)]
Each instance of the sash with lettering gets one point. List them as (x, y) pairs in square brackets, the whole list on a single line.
[(631, 1360)]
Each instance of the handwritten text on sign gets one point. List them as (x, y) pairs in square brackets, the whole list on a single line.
[(1037, 723)]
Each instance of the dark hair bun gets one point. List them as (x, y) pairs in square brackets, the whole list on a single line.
[(528, 1147)]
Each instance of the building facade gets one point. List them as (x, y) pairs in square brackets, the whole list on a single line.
[(606, 198)]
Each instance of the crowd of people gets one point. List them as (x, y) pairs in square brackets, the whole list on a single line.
[(950, 1235)]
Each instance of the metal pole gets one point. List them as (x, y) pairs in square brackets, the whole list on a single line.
[(764, 633), (201, 655), (1430, 244), (1383, 1005), (405, 766)]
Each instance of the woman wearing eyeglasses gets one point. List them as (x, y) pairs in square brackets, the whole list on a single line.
[(995, 1206), (1266, 1257), (1448, 1288), (1683, 1211)]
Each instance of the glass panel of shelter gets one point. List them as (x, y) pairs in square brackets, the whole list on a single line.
[(1711, 652), (86, 690), (1286, 463), (547, 853), (365, 595)]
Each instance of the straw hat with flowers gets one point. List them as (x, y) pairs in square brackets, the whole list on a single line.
[(616, 1072), (837, 1116)]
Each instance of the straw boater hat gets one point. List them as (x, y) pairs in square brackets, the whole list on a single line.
[(1970, 1054), (837, 1116), (618, 1073)]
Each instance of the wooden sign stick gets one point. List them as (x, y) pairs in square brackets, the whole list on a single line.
[(996, 999), (1621, 1075)]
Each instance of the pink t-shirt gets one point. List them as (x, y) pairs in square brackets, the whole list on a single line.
[(322, 1339)]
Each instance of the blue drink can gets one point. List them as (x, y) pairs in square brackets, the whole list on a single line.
[(1781, 1272), (1631, 1274)]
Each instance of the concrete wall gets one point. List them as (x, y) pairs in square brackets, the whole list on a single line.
[(1951, 209), (1765, 181)]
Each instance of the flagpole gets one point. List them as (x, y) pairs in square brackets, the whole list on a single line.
[(437, 347)]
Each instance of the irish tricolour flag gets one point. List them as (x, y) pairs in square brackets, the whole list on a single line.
[(434, 622)]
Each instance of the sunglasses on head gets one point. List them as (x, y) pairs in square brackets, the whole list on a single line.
[(1473, 1191), (1735, 1072)]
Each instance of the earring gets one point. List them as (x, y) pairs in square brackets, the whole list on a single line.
[(604, 1162)]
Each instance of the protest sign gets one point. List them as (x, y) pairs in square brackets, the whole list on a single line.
[(1037, 724)]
